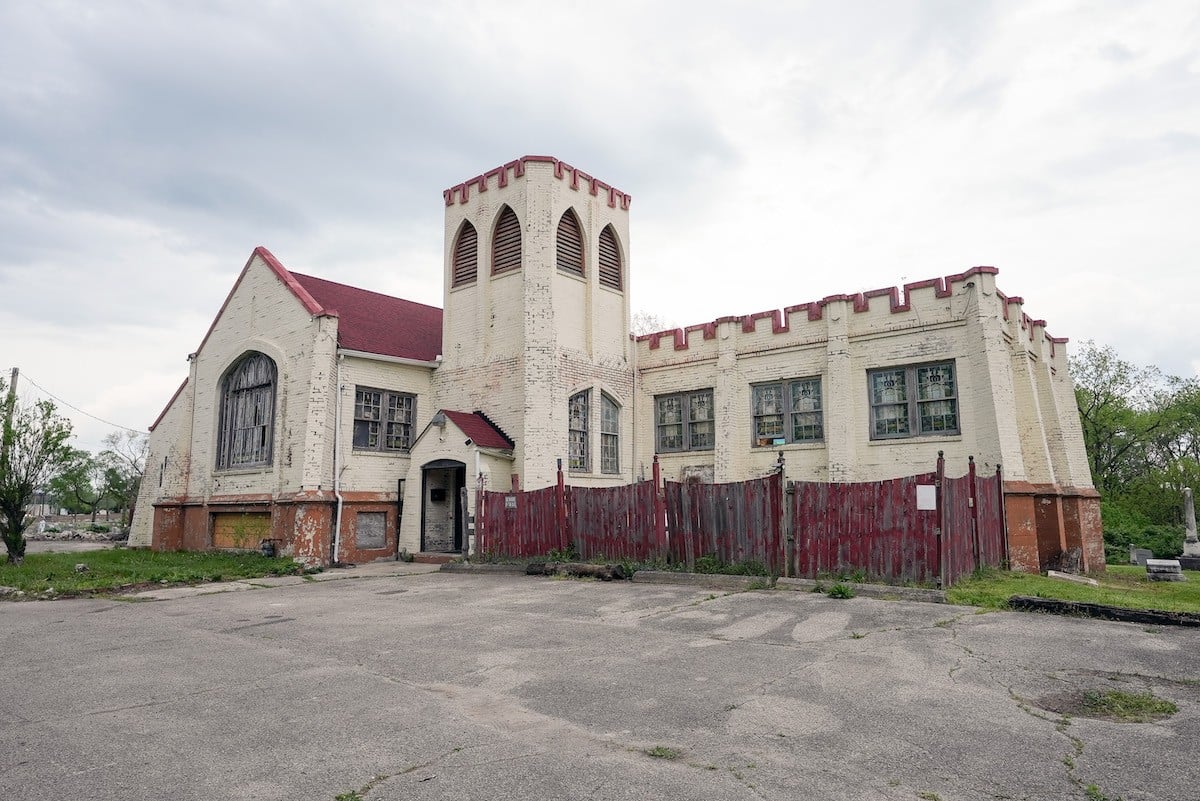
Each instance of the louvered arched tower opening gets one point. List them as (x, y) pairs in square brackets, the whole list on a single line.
[(465, 267), (569, 244), (506, 242), (611, 267)]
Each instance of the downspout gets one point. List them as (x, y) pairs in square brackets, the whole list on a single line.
[(469, 530), (337, 473)]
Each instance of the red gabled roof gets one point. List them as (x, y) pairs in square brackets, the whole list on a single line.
[(375, 323), (367, 321), (482, 431)]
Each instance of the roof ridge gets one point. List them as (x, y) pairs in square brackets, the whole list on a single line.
[(499, 430)]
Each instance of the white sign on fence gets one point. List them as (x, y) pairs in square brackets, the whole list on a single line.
[(926, 498)]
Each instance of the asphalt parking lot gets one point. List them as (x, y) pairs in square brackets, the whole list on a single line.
[(450, 686)]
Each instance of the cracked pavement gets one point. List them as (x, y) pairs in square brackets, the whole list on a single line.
[(481, 687)]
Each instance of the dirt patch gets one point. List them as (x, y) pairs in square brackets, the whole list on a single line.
[(1104, 703)]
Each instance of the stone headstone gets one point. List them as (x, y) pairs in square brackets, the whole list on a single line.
[(1164, 570), (1071, 561), (1138, 556), (1191, 544)]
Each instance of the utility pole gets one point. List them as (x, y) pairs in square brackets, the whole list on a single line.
[(10, 403)]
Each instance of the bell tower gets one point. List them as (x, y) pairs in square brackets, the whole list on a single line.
[(535, 325)]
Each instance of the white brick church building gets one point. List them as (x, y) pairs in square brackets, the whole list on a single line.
[(327, 417)]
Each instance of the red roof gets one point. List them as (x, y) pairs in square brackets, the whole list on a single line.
[(375, 323), (482, 431), (367, 321)]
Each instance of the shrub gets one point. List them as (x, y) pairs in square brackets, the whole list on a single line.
[(1166, 542), (840, 590)]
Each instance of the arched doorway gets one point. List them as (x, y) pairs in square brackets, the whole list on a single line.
[(441, 519)]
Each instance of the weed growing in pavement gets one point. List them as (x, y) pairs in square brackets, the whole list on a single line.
[(1128, 707), (840, 590), (662, 752)]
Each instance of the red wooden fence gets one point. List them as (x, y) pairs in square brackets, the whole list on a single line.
[(958, 540), (519, 524), (873, 526), (736, 522), (613, 522)]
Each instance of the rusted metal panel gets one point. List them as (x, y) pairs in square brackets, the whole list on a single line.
[(736, 522)]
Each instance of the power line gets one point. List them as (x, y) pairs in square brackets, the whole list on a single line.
[(76, 408)]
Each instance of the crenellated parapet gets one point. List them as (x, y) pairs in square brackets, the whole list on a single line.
[(1035, 330), (926, 302), (500, 176)]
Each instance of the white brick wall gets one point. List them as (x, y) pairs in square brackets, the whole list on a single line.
[(1012, 411), (261, 314), (517, 346)]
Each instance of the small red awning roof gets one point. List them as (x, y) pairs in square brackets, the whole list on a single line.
[(482, 431)]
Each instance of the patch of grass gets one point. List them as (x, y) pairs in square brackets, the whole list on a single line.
[(113, 570), (711, 563), (1120, 585), (353, 795), (568, 554), (662, 752), (840, 590), (1129, 707)]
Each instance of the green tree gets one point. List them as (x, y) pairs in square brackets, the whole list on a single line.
[(82, 482), (1141, 429), (1123, 409), (124, 457), (32, 445)]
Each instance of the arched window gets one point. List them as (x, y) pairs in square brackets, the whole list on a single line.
[(466, 255), (577, 413), (570, 244), (247, 413), (506, 243), (610, 435), (610, 259)]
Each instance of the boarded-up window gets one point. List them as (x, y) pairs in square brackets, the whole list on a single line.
[(240, 529), (610, 259), (570, 244), (370, 531), (247, 414), (506, 243), (466, 255)]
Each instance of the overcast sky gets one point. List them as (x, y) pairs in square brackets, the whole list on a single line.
[(776, 153)]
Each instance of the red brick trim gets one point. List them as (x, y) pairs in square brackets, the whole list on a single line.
[(462, 192)]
